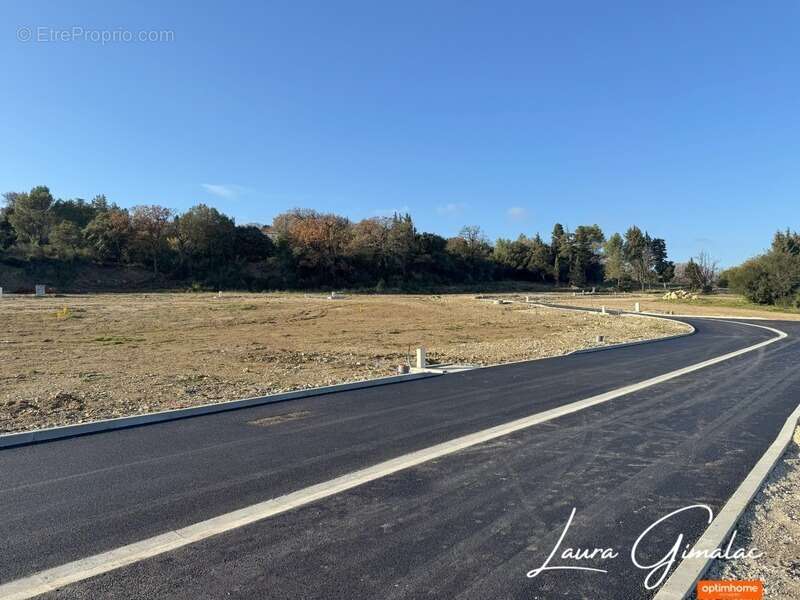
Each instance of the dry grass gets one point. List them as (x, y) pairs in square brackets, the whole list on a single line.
[(77, 358)]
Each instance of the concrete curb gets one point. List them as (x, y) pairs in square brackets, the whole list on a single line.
[(56, 433), (683, 580), (728, 317), (620, 314), (636, 343)]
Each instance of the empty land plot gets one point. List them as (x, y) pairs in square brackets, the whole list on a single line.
[(72, 359)]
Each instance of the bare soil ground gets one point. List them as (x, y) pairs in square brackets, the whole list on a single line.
[(729, 305), (772, 525), (72, 359)]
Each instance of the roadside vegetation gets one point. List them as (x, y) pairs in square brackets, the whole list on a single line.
[(74, 244), (772, 278)]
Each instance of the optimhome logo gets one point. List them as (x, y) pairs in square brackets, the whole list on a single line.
[(730, 590)]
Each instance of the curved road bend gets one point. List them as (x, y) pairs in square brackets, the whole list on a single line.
[(468, 525)]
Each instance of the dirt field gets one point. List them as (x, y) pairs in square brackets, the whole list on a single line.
[(713, 305), (78, 358)]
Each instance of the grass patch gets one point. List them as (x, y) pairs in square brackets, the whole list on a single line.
[(64, 314)]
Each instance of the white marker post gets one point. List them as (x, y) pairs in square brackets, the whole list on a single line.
[(40, 290), (637, 308), (421, 359)]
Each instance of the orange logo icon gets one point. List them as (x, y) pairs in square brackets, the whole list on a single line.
[(730, 590)]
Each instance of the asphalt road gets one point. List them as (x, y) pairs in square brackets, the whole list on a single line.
[(469, 525)]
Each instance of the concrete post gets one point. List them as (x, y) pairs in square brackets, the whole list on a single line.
[(421, 361), (40, 290), (637, 308), (603, 309)]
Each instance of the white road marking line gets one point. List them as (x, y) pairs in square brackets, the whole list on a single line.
[(79, 570)]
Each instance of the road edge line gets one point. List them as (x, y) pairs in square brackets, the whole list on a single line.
[(91, 566), (686, 575)]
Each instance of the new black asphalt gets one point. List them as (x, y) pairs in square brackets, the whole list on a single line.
[(469, 525)]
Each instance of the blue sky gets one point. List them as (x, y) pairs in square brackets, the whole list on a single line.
[(681, 117)]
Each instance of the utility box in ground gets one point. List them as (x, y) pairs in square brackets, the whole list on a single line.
[(40, 290)]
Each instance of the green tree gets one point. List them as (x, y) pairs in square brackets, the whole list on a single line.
[(560, 250), (66, 239), (204, 237), (585, 262), (664, 269), (108, 235), (637, 254), (513, 257), (786, 242), (580, 258), (77, 211), (401, 243), (251, 244), (30, 215), (100, 204), (539, 258), (7, 234), (614, 259)]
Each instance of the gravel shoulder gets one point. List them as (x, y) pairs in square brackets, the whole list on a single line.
[(772, 525), (72, 359)]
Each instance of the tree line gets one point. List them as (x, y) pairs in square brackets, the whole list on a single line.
[(304, 248), (772, 277)]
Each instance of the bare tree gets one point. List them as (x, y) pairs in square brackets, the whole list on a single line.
[(701, 272)]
